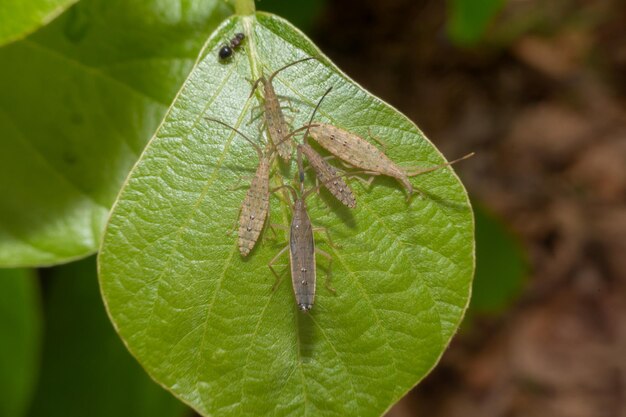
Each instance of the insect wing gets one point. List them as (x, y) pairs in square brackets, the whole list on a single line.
[(302, 256)]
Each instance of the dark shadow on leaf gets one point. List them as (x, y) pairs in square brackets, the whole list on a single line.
[(306, 335)]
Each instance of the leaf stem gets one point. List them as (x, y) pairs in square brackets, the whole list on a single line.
[(244, 7)]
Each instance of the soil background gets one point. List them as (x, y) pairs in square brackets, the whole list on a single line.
[(541, 100)]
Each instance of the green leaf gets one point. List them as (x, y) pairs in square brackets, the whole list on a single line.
[(500, 265), (18, 18), (469, 19), (79, 101), (204, 322), (20, 325), (86, 371)]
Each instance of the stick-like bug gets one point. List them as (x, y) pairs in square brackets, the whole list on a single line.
[(358, 152), (301, 248), (325, 172), (329, 176), (255, 206), (274, 118)]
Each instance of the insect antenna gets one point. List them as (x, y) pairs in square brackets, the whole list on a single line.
[(256, 147), (287, 66), (292, 190), (425, 170), (308, 126)]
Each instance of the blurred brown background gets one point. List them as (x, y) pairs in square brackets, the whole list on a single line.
[(540, 98)]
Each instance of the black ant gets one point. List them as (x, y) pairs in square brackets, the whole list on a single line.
[(226, 51)]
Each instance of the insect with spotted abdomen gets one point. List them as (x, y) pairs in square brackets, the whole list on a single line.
[(360, 153), (255, 207), (275, 122), (325, 172), (301, 248)]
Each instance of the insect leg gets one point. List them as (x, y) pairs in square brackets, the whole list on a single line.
[(420, 171), (234, 226), (259, 109), (367, 182), (270, 226), (325, 230), (329, 274), (239, 185), (290, 103), (272, 262), (380, 142), (255, 84)]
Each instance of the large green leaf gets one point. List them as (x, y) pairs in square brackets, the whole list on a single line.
[(18, 18), (86, 371), (79, 100), (20, 325), (204, 322)]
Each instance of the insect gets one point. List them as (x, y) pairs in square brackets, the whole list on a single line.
[(325, 172), (328, 176), (277, 127), (255, 206), (226, 50), (302, 249), (358, 152)]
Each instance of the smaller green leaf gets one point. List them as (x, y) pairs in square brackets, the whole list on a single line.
[(500, 265), (18, 18), (78, 101), (20, 325), (86, 371), (469, 19)]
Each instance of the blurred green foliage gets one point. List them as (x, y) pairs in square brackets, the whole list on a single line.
[(18, 18), (469, 19), (301, 13), (500, 265), (78, 101), (20, 325), (86, 370)]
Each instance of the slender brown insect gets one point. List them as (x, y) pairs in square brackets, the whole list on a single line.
[(328, 175), (358, 152), (256, 204), (274, 118), (301, 249), (325, 172)]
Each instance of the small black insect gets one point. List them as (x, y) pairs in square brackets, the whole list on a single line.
[(226, 50)]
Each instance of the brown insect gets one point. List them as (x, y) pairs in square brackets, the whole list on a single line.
[(328, 176), (255, 206), (277, 127), (302, 248), (325, 172), (358, 152)]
